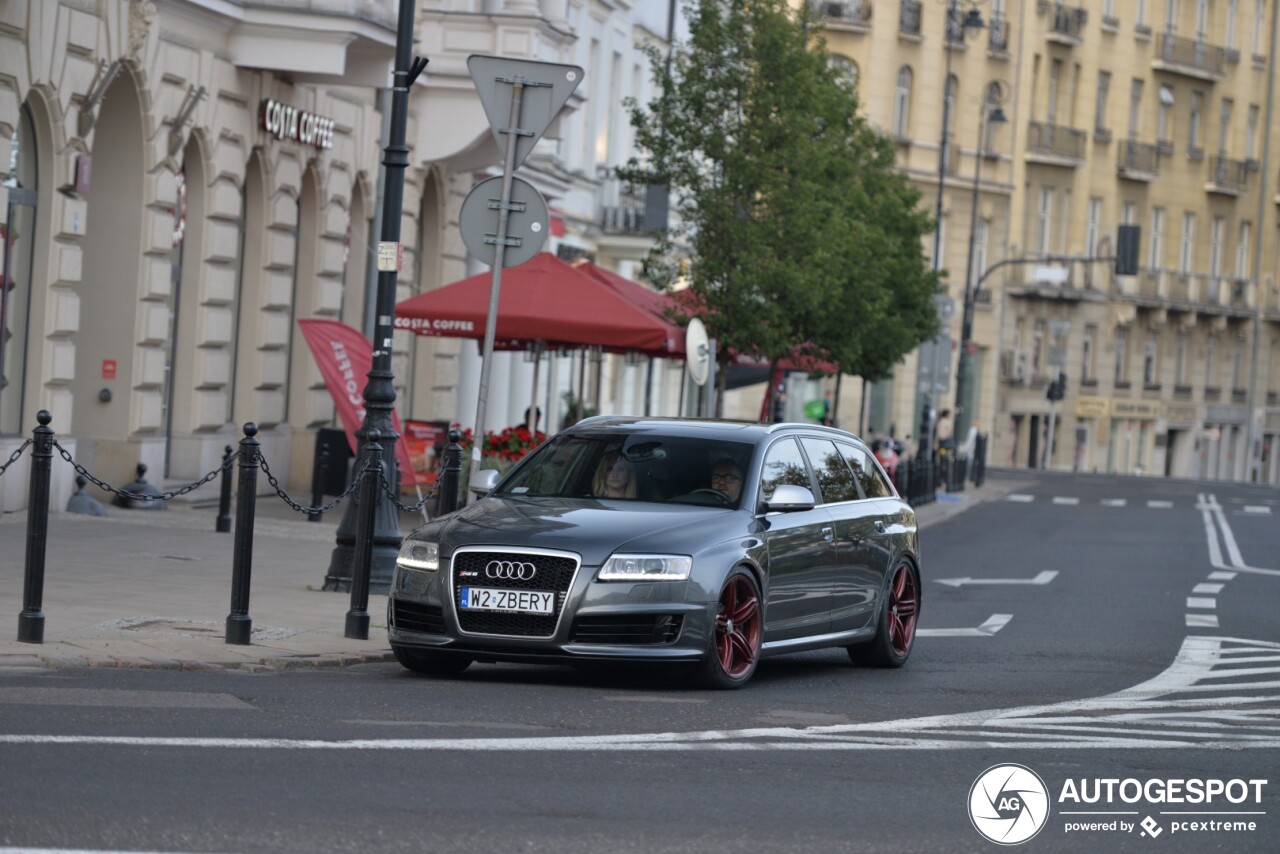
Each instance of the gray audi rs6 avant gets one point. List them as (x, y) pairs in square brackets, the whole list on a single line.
[(703, 543)]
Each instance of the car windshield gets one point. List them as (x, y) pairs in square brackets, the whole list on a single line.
[(640, 466)]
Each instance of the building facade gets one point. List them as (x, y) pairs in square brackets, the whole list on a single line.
[(183, 182), (1147, 112), (188, 178)]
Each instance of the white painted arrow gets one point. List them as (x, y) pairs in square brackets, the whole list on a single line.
[(1041, 579), (993, 624)]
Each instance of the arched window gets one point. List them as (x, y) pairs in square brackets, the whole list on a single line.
[(847, 70), (17, 242), (902, 104), (992, 98)]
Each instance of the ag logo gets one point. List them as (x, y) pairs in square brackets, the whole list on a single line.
[(1008, 804)]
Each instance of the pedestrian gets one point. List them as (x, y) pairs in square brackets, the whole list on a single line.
[(943, 431)]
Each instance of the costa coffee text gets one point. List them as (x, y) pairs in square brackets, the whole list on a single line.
[(285, 122)]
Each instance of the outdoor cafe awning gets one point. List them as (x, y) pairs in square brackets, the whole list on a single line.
[(547, 300)]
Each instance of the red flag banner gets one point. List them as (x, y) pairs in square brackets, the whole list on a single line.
[(345, 358)]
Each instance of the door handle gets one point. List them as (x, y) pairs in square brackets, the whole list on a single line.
[(879, 526), (827, 534)]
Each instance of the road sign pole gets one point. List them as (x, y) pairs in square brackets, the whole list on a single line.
[(512, 131)]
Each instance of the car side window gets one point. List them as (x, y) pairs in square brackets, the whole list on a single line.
[(873, 483), (783, 464), (835, 480)]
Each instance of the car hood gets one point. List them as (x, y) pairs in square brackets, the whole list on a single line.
[(594, 529)]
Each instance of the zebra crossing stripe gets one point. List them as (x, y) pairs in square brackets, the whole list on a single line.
[(1202, 621), (1114, 502), (1059, 499)]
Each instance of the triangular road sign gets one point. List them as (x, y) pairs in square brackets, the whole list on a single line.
[(548, 86)]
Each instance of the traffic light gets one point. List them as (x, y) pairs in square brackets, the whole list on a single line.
[(1058, 388)]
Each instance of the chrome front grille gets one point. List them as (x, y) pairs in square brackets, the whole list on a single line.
[(554, 572)]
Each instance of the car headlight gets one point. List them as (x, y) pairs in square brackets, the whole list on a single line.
[(639, 567), (420, 555)]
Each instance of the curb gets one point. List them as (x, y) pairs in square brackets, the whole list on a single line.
[(264, 665)]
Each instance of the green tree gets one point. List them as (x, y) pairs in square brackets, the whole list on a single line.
[(799, 231)]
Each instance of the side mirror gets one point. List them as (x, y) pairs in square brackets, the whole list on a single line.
[(788, 498), (483, 482)]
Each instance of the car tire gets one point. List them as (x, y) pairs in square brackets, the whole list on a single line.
[(896, 626), (736, 635), (431, 663)]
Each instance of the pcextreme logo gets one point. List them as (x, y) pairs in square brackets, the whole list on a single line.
[(1008, 804)]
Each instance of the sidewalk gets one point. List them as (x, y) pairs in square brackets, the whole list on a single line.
[(145, 588)]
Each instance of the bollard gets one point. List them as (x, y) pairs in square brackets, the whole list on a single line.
[(239, 625), (358, 616), (223, 525), (450, 474), (320, 465), (31, 620)]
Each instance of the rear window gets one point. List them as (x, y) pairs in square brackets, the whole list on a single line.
[(868, 473)]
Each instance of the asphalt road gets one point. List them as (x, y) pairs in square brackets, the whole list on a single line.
[(1139, 641)]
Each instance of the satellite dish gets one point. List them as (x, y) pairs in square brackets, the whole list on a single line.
[(697, 353)]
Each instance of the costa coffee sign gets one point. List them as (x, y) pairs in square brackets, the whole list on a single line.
[(290, 123)]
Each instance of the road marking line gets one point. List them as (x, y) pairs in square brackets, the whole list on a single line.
[(1041, 579), (1095, 722), (1202, 602), (1020, 499), (993, 624), (1160, 505), (1211, 589), (1202, 621), (1059, 499), (1221, 575), (1114, 502), (1257, 509)]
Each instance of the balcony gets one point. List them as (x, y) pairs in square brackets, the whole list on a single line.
[(1066, 23), (1137, 161), (1192, 58), (624, 208), (998, 34), (1055, 145), (853, 16), (1227, 177), (910, 17)]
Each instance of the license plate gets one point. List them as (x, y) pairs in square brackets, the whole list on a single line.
[(509, 601)]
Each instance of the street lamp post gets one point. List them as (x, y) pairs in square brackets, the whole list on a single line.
[(958, 24), (380, 391), (991, 114)]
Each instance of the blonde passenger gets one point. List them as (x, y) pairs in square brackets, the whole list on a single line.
[(615, 477)]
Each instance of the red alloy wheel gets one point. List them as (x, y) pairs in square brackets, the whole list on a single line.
[(902, 610), (738, 627)]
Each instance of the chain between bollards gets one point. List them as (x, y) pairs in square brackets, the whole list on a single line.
[(358, 616), (31, 620), (239, 625)]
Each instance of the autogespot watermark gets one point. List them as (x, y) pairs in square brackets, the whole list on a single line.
[(1010, 804)]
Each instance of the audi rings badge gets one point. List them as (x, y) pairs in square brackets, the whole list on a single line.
[(510, 570)]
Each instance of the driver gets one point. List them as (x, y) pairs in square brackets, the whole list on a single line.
[(726, 477)]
